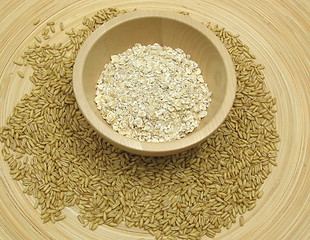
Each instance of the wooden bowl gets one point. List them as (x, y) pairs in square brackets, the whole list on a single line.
[(168, 29)]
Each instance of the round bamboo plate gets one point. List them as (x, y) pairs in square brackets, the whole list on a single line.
[(278, 34)]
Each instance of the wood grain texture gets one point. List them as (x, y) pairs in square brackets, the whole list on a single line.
[(168, 29), (278, 34)]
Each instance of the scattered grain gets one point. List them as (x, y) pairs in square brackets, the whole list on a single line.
[(260, 194), (36, 22), (20, 74), (38, 39), (61, 26), (18, 63), (183, 13), (59, 218), (52, 28), (241, 221), (50, 23)]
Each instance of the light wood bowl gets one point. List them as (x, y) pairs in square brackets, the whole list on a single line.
[(168, 29)]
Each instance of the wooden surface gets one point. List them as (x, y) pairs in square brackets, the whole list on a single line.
[(168, 29), (277, 32)]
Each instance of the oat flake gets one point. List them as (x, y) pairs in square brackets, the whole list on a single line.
[(152, 93)]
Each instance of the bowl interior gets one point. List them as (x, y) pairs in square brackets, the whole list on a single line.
[(173, 32)]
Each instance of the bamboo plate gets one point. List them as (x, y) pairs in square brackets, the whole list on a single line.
[(278, 34)]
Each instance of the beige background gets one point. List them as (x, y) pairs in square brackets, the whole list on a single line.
[(278, 34)]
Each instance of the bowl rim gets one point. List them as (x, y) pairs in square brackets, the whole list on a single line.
[(151, 148)]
